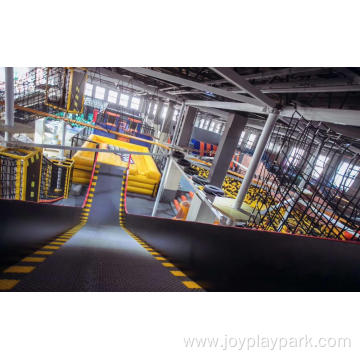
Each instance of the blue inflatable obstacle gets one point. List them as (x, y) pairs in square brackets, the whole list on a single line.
[(122, 124), (203, 149)]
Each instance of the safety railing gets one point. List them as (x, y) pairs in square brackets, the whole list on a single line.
[(79, 139), (160, 157)]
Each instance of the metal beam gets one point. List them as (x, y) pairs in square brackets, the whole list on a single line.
[(271, 89), (125, 81), (213, 111), (350, 74), (270, 74), (334, 116), (193, 84), (289, 89), (234, 78), (229, 106), (281, 72)]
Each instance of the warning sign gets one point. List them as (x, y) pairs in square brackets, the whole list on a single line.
[(125, 158)]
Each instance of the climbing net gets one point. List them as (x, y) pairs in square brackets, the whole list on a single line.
[(309, 181), (47, 89)]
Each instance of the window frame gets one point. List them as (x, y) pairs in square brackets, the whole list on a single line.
[(355, 169), (96, 91), (122, 95), (132, 101), (87, 88), (109, 95)]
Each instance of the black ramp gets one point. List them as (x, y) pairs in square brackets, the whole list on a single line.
[(102, 256), (25, 226), (106, 202), (224, 258)]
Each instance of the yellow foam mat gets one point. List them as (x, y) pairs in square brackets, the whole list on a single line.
[(143, 173)]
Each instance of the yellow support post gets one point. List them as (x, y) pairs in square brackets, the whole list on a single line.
[(18, 180)]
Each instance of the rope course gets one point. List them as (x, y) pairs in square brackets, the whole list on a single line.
[(50, 90), (309, 180)]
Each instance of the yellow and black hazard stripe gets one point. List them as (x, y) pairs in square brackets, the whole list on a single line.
[(157, 255), (87, 208), (12, 275)]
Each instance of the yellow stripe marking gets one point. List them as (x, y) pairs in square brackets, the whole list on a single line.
[(33, 259), (7, 284), (41, 252), (191, 285), (159, 258), (19, 269), (177, 273), (154, 253), (51, 247), (56, 243), (167, 264)]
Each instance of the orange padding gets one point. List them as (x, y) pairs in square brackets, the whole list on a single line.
[(177, 205), (182, 213), (201, 148)]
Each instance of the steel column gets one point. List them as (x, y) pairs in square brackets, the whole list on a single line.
[(264, 137), (187, 123), (63, 137), (9, 99), (179, 123), (226, 149)]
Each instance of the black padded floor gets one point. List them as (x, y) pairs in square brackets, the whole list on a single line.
[(102, 256)]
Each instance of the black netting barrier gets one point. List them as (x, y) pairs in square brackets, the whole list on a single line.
[(55, 179), (308, 182), (33, 177), (8, 176), (51, 90)]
